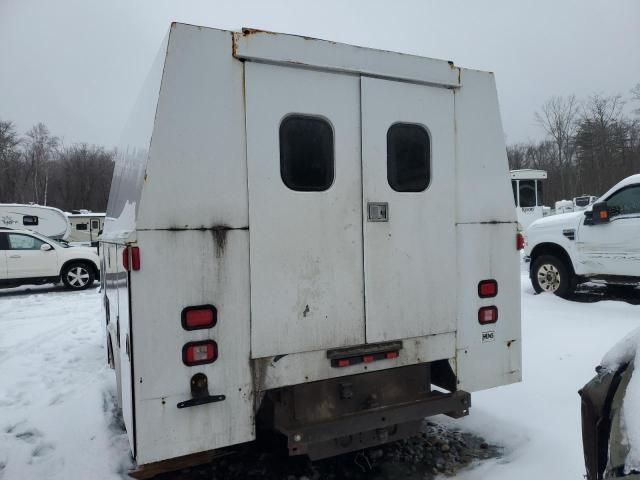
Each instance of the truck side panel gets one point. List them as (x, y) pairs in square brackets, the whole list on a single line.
[(192, 232), (196, 175), (195, 268), (488, 355)]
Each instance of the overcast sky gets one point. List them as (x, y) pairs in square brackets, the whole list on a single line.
[(77, 65)]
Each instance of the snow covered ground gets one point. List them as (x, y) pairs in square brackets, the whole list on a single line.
[(57, 394)]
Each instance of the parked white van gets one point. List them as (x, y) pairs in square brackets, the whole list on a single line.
[(306, 237), (48, 221)]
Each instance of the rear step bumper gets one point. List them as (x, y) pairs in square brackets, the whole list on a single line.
[(371, 427), (330, 417)]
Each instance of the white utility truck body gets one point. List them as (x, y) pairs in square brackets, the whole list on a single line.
[(527, 193), (329, 216), (48, 221), (85, 227)]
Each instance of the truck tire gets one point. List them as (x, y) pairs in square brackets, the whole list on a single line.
[(552, 275), (77, 275)]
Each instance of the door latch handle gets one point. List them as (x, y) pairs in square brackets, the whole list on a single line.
[(378, 211), (15, 256)]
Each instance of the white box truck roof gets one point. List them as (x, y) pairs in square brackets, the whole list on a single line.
[(322, 198)]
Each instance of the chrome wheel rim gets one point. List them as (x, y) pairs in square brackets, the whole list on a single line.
[(548, 277), (78, 277)]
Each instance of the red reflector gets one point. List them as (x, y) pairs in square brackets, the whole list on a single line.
[(488, 315), (487, 288), (195, 318), (391, 355), (367, 359), (135, 258), (519, 241), (198, 353), (343, 362)]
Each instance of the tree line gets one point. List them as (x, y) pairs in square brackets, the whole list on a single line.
[(590, 145), (37, 167)]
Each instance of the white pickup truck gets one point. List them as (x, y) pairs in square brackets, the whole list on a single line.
[(601, 243)]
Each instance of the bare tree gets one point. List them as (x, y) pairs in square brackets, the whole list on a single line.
[(40, 149), (82, 177), (558, 119), (602, 140), (635, 97), (10, 170)]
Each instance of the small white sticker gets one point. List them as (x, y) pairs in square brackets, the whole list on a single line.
[(488, 336)]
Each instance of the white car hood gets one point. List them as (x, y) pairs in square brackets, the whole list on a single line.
[(562, 220)]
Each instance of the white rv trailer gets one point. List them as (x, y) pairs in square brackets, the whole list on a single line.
[(85, 226), (48, 221), (291, 242), (527, 193)]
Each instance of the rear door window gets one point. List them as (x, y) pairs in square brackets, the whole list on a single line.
[(408, 157), (527, 193), (306, 153)]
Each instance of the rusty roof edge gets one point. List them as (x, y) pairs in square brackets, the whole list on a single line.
[(244, 55)]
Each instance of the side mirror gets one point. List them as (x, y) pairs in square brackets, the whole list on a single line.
[(45, 247), (600, 213)]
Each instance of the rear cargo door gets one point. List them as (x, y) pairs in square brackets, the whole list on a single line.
[(408, 163), (305, 209)]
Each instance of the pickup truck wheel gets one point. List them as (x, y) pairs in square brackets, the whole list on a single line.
[(550, 274), (77, 276)]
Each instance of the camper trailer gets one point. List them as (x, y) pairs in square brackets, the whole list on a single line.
[(47, 221), (527, 194), (85, 226), (291, 246)]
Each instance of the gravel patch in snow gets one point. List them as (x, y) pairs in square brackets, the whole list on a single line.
[(439, 450)]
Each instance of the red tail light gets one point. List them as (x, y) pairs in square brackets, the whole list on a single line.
[(487, 288), (519, 241), (135, 258), (199, 353), (488, 315), (196, 318)]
